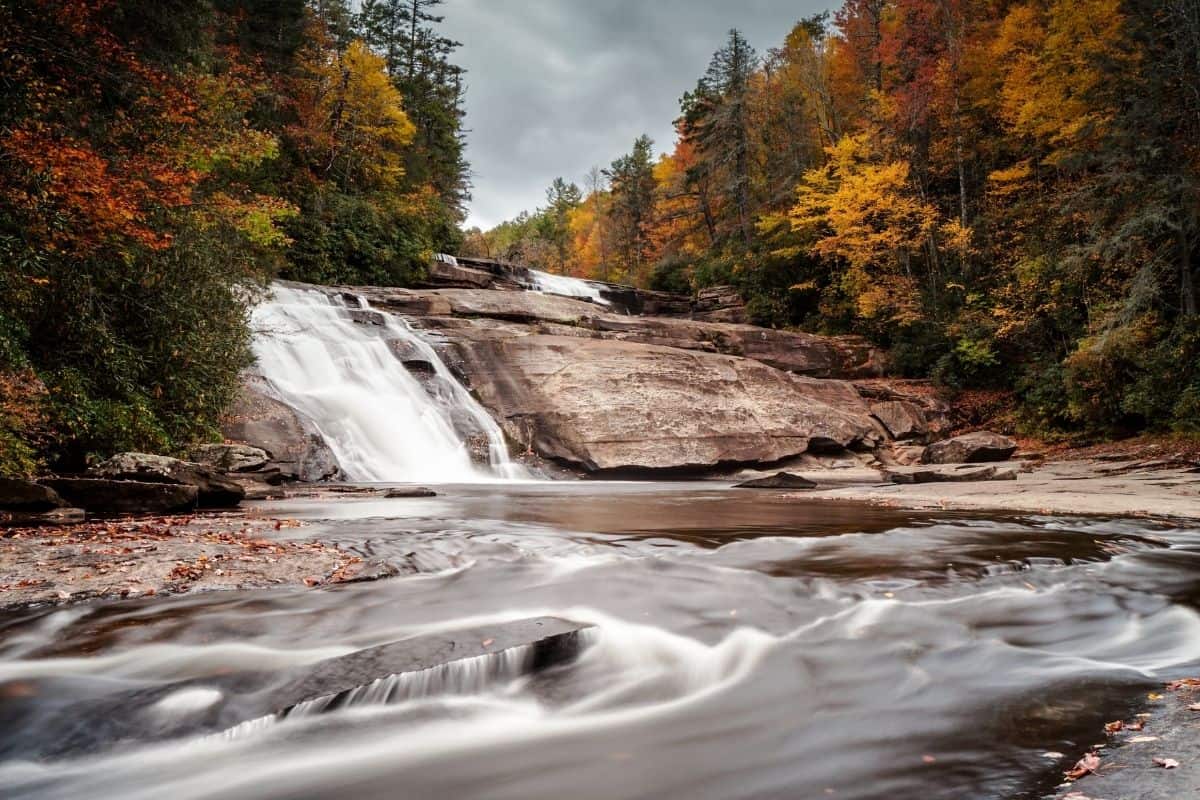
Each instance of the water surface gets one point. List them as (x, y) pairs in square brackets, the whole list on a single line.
[(745, 645)]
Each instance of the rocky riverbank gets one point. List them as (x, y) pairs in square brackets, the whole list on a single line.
[(155, 556)]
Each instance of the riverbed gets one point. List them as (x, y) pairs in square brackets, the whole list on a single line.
[(743, 644)]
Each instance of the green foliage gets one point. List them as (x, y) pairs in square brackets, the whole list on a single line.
[(356, 240), (672, 275)]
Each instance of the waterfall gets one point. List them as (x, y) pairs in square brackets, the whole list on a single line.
[(546, 283), (385, 403)]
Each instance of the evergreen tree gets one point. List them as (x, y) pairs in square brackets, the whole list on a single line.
[(632, 210)]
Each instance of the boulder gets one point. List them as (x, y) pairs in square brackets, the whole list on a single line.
[(780, 480), (125, 497), (262, 421), (903, 419), (231, 457), (612, 405), (214, 490), (958, 473), (27, 496), (970, 448)]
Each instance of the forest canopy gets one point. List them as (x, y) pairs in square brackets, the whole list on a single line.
[(1003, 194)]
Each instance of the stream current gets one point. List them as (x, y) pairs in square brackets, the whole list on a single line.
[(744, 645)]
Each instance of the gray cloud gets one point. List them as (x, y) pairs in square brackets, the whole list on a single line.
[(557, 86)]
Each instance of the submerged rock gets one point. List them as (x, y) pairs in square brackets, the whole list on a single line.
[(780, 480), (409, 491), (110, 496), (970, 448), (213, 489)]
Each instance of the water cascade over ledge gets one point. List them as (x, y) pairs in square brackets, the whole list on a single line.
[(350, 380)]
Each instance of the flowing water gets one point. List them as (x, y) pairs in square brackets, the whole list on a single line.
[(378, 393), (744, 645), (547, 283)]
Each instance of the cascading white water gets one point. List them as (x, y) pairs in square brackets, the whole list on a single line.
[(381, 422), (546, 283)]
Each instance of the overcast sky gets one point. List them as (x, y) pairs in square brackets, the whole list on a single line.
[(557, 86)]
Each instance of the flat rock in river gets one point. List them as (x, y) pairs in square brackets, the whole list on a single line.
[(780, 480)]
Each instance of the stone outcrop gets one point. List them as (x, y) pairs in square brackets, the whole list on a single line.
[(583, 386), (213, 490), (802, 353), (614, 405), (970, 448), (107, 496)]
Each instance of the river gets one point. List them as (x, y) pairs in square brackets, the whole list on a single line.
[(745, 644)]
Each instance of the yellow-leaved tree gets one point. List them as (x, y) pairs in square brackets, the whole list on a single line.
[(867, 221)]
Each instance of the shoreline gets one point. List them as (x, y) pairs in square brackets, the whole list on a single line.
[(140, 557)]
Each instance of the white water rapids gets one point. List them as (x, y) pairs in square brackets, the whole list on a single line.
[(347, 379), (546, 283)]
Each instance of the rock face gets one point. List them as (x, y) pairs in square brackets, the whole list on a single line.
[(125, 497), (259, 420), (213, 490), (970, 448), (903, 419), (802, 353), (27, 496), (612, 405)]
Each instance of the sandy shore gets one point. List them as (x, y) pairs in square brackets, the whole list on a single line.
[(1110, 488)]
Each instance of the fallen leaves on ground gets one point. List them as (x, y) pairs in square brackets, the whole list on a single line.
[(1089, 763)]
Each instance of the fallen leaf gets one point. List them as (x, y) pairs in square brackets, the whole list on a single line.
[(1154, 696), (1166, 763), (1089, 763), (929, 759), (1113, 727), (488, 642)]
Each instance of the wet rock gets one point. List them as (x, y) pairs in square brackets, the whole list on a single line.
[(214, 490), (903, 419), (27, 496), (409, 491), (959, 473), (262, 421), (970, 448), (780, 480), (231, 457), (109, 496)]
